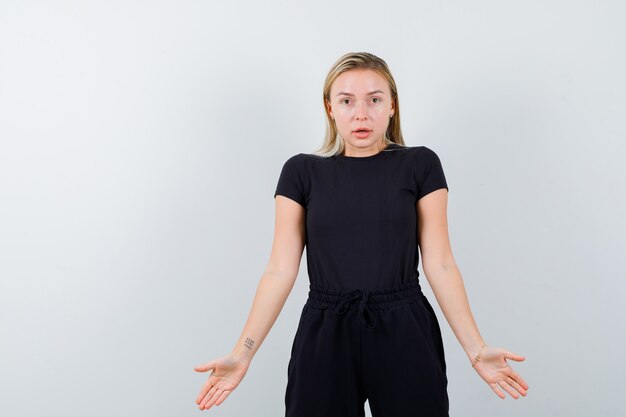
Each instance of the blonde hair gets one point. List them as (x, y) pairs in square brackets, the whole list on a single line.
[(333, 142)]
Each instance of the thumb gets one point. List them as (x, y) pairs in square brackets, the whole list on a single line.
[(514, 356), (206, 367)]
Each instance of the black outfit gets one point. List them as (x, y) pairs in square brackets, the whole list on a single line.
[(366, 330)]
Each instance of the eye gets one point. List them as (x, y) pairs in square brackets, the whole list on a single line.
[(341, 101), (376, 98)]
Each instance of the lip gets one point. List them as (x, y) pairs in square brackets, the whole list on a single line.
[(362, 128), (362, 135)]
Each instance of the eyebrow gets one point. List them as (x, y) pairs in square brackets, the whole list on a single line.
[(352, 95)]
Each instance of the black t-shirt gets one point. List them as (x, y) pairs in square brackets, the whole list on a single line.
[(361, 217)]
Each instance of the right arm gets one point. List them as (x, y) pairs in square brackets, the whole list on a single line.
[(278, 279), (272, 292)]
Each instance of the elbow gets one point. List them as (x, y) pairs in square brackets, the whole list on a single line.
[(283, 274), (440, 266)]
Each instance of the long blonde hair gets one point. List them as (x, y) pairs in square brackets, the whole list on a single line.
[(333, 142)]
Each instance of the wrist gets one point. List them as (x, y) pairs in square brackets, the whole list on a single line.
[(475, 354), (242, 355), (238, 357)]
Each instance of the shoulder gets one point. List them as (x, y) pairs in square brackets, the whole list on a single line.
[(300, 166), (414, 154), (425, 155), (296, 159), (294, 163), (303, 158), (426, 162), (303, 161), (411, 150), (422, 150)]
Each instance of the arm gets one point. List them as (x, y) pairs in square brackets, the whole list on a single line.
[(445, 279), (272, 291), (277, 280), (442, 273)]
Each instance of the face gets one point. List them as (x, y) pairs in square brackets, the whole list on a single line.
[(361, 99)]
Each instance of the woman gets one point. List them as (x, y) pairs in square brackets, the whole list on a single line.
[(362, 205)]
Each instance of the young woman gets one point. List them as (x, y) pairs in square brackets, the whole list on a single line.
[(363, 205)]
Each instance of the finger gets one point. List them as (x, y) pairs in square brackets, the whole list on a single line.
[(505, 385), (205, 388), (207, 397), (203, 368), (214, 398), (514, 356), (222, 397), (515, 385), (518, 378), (495, 389)]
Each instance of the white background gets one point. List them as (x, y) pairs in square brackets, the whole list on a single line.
[(140, 146)]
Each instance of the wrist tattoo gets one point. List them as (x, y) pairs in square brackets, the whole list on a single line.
[(477, 358), (249, 343)]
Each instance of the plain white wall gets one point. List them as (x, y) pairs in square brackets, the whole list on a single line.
[(140, 147)]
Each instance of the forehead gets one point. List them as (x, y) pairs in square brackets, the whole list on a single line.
[(359, 82)]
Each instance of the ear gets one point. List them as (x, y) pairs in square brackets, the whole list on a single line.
[(328, 107)]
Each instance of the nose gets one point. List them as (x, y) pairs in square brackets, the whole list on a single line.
[(361, 111)]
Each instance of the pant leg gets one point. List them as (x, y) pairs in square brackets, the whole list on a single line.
[(323, 379), (404, 364)]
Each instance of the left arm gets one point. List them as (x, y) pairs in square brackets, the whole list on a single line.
[(445, 279), (442, 272)]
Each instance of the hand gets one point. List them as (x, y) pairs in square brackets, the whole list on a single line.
[(228, 371), (493, 368)]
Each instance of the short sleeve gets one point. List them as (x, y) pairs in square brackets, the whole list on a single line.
[(428, 172), (290, 182)]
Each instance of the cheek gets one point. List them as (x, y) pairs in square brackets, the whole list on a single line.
[(343, 118), (380, 111), (343, 112)]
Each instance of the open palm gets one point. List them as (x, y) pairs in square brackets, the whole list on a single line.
[(228, 371), (494, 369)]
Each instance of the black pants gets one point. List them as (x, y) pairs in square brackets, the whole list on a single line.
[(384, 346)]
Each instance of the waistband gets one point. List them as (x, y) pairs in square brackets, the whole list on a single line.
[(369, 300)]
